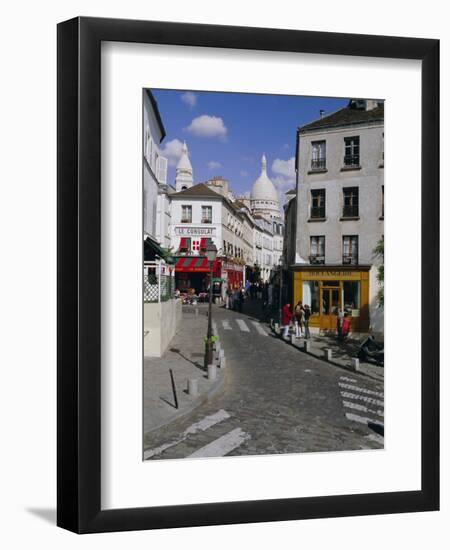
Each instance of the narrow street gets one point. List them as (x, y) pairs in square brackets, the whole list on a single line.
[(276, 399)]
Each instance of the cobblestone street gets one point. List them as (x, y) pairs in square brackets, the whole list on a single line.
[(276, 399)]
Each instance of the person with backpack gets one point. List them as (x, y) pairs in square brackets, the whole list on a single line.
[(298, 319), (306, 316)]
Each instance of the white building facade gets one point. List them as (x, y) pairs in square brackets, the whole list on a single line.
[(156, 206), (339, 214)]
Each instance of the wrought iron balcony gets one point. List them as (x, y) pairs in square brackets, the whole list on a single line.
[(315, 259), (349, 259), (319, 164)]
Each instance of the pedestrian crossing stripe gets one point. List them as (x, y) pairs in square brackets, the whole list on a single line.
[(369, 400), (362, 390), (226, 324), (200, 426), (242, 325), (259, 328), (362, 408), (223, 445)]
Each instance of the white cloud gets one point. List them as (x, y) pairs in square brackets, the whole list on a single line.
[(189, 98), (284, 176), (243, 173), (207, 126), (214, 165), (284, 169), (172, 151)]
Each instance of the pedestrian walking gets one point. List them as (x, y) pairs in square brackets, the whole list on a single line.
[(241, 298), (340, 318), (306, 316), (286, 317), (298, 319)]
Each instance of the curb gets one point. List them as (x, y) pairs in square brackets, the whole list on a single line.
[(215, 388), (334, 363)]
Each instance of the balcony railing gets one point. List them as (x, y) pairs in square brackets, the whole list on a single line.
[(206, 220), (351, 160), (186, 220), (318, 212), (315, 259), (350, 211), (318, 164), (350, 260)]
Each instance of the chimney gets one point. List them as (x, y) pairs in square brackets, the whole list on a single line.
[(321, 113)]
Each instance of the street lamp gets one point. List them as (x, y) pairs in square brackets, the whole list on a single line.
[(280, 264), (211, 253)]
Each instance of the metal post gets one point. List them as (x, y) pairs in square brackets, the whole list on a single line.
[(281, 292), (209, 347)]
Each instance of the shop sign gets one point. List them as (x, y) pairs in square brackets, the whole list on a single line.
[(182, 231), (325, 274)]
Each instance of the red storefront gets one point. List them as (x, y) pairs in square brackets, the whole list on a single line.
[(192, 271)]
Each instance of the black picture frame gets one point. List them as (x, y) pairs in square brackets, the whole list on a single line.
[(79, 282)]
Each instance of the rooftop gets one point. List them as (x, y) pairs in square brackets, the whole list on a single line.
[(198, 190), (345, 117)]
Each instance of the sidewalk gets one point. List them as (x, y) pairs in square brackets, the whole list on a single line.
[(184, 356), (341, 352)]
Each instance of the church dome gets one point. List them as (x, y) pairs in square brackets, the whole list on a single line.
[(184, 163), (263, 189)]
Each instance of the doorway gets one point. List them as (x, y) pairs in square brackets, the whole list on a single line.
[(330, 302)]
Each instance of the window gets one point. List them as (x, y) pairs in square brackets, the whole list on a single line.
[(206, 214), (186, 213), (350, 249), (351, 155), (351, 202), (318, 203), (351, 298), (317, 250), (318, 157), (311, 295)]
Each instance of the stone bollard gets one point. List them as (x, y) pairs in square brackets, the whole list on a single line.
[(277, 328), (355, 364), (293, 339), (222, 362), (327, 353), (192, 387), (212, 372), (307, 346)]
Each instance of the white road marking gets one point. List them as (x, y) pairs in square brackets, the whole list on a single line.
[(361, 408), (242, 325), (223, 445), (369, 400), (362, 419), (199, 426), (226, 324), (259, 328), (376, 437), (362, 390), (345, 379)]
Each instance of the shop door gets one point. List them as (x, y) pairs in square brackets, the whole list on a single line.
[(330, 300)]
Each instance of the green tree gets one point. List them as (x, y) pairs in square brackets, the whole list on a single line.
[(379, 253)]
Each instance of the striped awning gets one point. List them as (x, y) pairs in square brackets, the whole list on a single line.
[(197, 264), (185, 243)]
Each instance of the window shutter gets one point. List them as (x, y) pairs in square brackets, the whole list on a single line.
[(161, 169)]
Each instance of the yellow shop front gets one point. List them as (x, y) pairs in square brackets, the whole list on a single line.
[(328, 289)]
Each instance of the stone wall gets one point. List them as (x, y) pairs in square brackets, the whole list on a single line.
[(160, 324)]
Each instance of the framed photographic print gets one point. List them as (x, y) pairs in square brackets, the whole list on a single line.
[(248, 223)]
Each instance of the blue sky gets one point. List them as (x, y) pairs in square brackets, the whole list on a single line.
[(227, 133)]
